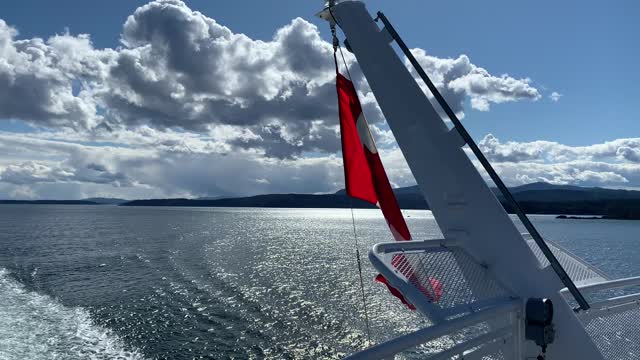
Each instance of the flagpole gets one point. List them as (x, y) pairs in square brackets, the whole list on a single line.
[(555, 264)]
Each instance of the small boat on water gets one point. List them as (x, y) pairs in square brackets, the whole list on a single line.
[(497, 293)]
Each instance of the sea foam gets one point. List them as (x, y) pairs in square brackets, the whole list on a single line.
[(36, 326)]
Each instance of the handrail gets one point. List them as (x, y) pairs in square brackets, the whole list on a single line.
[(608, 311), (400, 246), (401, 343), (615, 301), (555, 264), (605, 285)]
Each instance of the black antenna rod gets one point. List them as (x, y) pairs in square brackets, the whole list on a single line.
[(555, 264)]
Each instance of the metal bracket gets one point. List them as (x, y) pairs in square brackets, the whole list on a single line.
[(456, 138), (386, 35)]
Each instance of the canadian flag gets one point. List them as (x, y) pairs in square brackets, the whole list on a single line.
[(366, 179)]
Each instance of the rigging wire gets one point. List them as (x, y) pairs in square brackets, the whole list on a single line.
[(336, 47), (364, 297)]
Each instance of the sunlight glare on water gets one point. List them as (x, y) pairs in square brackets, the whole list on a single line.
[(183, 283)]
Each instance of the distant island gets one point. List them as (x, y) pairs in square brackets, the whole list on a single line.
[(48, 202), (106, 201), (89, 201), (606, 217), (573, 217), (571, 202)]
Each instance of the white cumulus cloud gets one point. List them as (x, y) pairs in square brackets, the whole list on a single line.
[(189, 107), (555, 96), (459, 79)]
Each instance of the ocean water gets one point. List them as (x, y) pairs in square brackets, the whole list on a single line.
[(106, 282)]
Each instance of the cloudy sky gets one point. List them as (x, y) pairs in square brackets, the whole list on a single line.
[(164, 99)]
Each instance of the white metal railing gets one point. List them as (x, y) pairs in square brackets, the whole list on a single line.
[(612, 323), (501, 335), (616, 301), (607, 285), (610, 305), (465, 285)]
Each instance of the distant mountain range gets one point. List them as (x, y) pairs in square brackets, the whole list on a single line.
[(535, 198)]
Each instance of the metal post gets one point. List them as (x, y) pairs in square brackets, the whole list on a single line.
[(557, 267)]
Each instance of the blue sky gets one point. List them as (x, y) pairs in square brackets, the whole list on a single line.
[(584, 52)]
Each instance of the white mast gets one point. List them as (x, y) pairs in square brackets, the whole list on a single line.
[(464, 207)]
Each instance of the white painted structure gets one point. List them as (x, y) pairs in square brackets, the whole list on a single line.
[(480, 238)]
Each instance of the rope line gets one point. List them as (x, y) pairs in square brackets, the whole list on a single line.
[(364, 296), (336, 48)]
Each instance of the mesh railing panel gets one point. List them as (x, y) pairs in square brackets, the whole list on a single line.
[(448, 277), (617, 334), (498, 355), (578, 270)]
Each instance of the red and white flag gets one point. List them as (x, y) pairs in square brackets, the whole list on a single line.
[(365, 179)]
